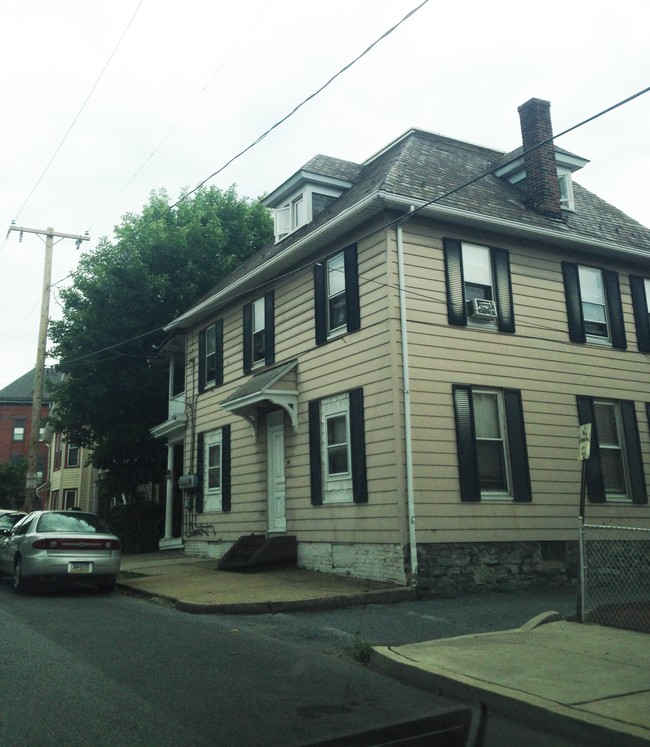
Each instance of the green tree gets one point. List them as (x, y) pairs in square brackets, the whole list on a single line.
[(122, 293)]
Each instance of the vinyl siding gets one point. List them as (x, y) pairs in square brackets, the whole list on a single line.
[(539, 361)]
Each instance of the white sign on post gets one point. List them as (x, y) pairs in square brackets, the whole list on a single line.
[(584, 442)]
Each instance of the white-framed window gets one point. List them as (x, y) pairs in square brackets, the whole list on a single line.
[(69, 499), (611, 439), (19, 429), (565, 184), (337, 318), (72, 455), (336, 453), (594, 304), (210, 361), (297, 213), (491, 442), (213, 471), (258, 336), (615, 470), (479, 286)]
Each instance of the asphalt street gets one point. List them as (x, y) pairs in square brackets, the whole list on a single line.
[(81, 667)]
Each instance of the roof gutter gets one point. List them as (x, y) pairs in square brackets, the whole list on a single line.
[(388, 199), (240, 285)]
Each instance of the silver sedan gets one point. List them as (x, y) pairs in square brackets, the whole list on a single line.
[(63, 547)]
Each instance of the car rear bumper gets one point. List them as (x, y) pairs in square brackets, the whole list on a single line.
[(58, 566)]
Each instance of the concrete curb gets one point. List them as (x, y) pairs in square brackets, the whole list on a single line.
[(382, 596)]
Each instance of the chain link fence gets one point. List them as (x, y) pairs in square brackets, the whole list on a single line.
[(616, 576)]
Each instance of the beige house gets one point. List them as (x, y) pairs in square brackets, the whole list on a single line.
[(73, 482), (398, 382)]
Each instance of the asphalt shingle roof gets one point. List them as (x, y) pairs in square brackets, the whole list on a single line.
[(424, 166), (22, 389)]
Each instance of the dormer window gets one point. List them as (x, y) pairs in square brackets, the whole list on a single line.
[(566, 190)]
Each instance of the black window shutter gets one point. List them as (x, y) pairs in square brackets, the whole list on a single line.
[(219, 352), (517, 445), (225, 469), (503, 289), (358, 447), (201, 360), (269, 328), (470, 487), (315, 465), (352, 288), (248, 337), (199, 473), (633, 449), (614, 308), (456, 310), (641, 312), (573, 302), (320, 303), (595, 483)]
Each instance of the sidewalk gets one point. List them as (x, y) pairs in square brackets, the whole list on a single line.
[(588, 677), (196, 585)]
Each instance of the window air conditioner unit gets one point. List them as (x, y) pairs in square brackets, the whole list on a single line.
[(482, 309), (186, 482)]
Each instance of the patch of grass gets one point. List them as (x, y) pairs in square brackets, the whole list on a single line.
[(361, 649), (130, 574)]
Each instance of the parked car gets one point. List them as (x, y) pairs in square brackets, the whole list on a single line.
[(8, 519), (64, 547)]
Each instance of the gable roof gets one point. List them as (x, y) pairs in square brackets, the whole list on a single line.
[(22, 389), (441, 178)]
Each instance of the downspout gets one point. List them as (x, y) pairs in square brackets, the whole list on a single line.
[(408, 444)]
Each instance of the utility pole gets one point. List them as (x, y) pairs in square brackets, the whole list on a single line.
[(31, 497)]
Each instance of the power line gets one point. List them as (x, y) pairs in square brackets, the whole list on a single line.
[(185, 112), (281, 121), (83, 106)]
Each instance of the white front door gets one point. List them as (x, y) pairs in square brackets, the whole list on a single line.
[(275, 469)]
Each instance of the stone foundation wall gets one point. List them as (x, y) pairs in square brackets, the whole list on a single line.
[(455, 568), (373, 562)]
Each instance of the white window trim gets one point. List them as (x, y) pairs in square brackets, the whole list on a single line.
[(564, 179), (212, 497), (596, 339), (480, 323), (338, 488), (499, 495), (261, 301), (343, 328), (622, 447)]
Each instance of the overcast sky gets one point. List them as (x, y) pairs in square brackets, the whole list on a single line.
[(155, 93)]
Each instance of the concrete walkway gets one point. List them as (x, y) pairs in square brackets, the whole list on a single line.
[(595, 678)]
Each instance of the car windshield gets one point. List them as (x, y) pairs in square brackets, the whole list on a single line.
[(77, 522)]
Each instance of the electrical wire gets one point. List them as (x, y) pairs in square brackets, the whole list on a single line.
[(184, 114), (83, 106)]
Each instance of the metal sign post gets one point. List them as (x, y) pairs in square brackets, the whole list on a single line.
[(584, 451)]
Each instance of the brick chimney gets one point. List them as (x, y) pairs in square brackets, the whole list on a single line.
[(542, 185)]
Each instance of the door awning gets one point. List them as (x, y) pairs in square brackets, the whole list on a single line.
[(274, 386)]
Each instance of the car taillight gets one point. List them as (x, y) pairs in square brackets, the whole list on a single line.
[(113, 545), (45, 544)]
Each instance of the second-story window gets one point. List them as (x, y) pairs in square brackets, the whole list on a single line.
[(594, 309), (336, 295), (19, 429), (259, 332), (211, 356), (479, 288), (72, 455)]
